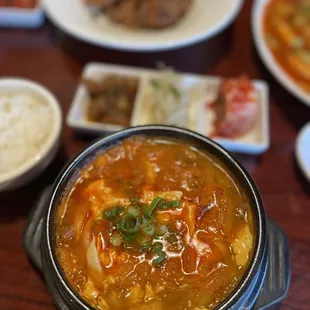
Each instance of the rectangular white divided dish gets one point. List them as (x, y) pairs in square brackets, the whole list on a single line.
[(20, 17), (201, 90)]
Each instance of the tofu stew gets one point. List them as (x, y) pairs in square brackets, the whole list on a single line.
[(152, 223)]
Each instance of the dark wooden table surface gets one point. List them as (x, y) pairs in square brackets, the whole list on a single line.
[(56, 60)]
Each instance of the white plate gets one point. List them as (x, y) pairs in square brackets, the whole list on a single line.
[(303, 150), (205, 19), (255, 141), (267, 57), (18, 17)]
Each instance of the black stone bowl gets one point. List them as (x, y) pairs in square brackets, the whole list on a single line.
[(260, 287)]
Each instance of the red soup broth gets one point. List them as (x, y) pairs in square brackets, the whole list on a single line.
[(155, 224)]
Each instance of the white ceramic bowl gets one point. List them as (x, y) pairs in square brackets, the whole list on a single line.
[(205, 19), (267, 57), (33, 167)]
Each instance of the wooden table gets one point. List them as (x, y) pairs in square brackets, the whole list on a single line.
[(56, 61)]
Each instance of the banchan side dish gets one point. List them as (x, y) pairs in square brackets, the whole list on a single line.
[(154, 217)]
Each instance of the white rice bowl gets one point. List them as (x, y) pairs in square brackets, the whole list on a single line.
[(30, 124)]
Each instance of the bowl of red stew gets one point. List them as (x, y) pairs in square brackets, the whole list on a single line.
[(158, 217)]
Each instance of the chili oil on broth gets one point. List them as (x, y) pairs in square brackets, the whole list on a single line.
[(154, 224), (287, 34)]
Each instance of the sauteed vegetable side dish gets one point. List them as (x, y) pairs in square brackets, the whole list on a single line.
[(111, 99), (154, 224), (287, 30)]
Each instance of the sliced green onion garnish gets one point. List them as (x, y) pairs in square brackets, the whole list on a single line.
[(156, 202), (145, 245), (175, 203), (112, 213), (116, 239), (161, 257), (134, 211), (128, 239), (157, 247), (160, 203), (170, 204), (161, 230), (129, 224), (135, 226), (144, 219), (148, 228)]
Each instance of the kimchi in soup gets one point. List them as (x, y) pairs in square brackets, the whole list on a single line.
[(154, 224)]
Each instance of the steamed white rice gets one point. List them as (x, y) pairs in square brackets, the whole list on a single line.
[(25, 126)]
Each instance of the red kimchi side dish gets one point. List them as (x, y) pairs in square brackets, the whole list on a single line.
[(236, 107), (155, 224)]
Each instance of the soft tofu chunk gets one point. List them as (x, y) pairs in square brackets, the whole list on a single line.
[(148, 196), (96, 188), (243, 245), (150, 174), (136, 295), (98, 192), (149, 293), (102, 197), (103, 304), (90, 290)]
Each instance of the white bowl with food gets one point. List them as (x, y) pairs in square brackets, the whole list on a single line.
[(150, 25), (30, 127), (281, 30)]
